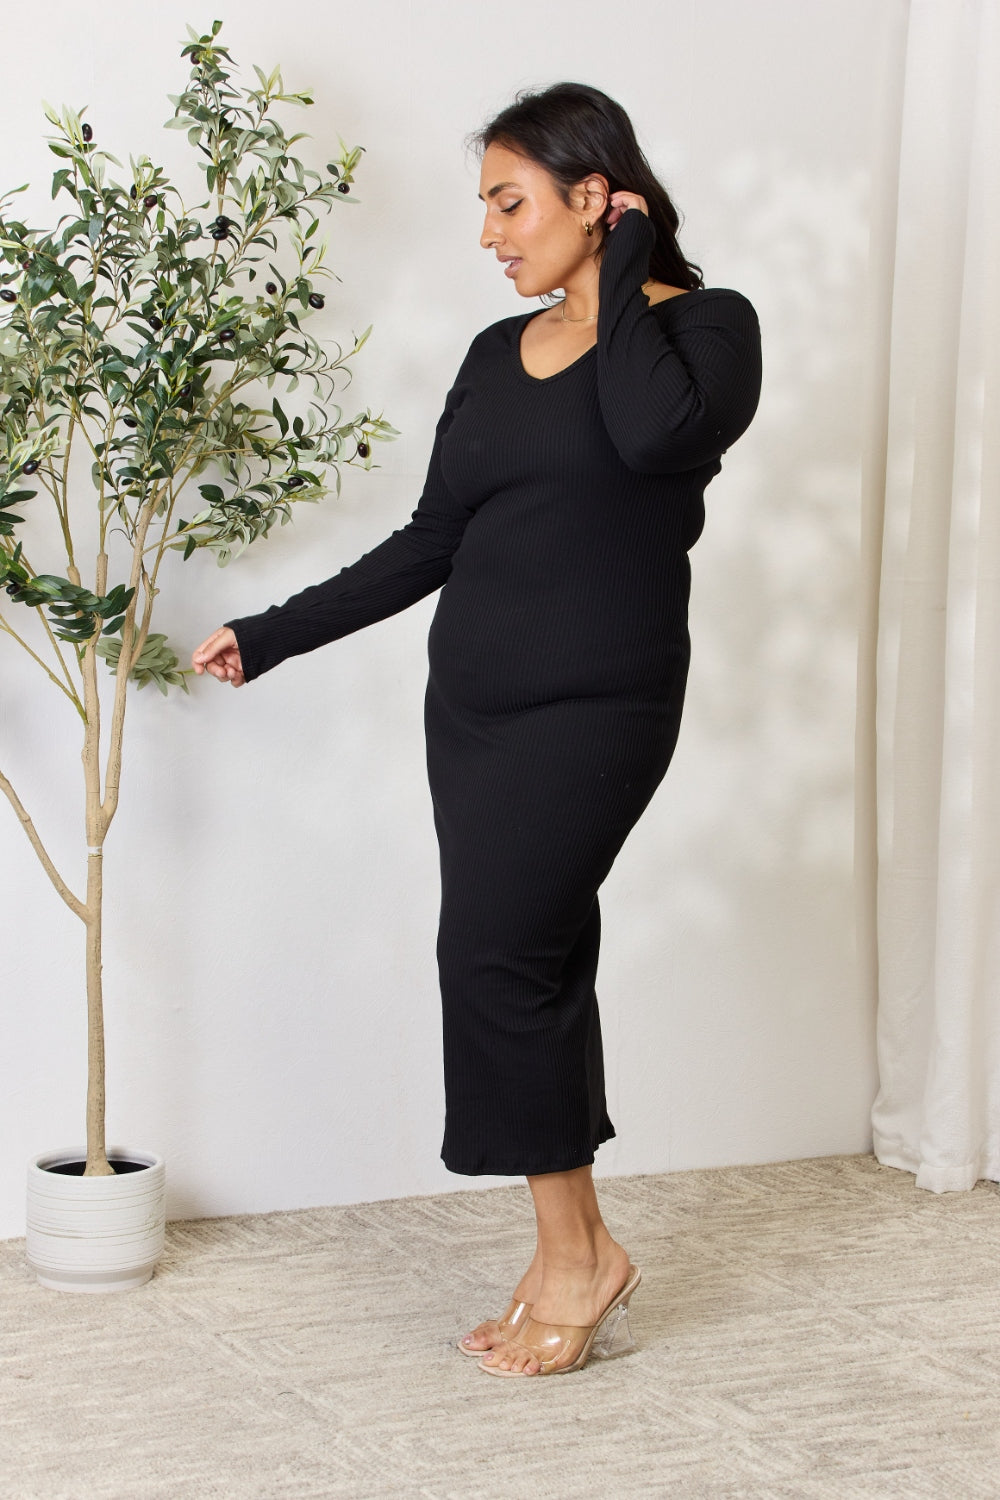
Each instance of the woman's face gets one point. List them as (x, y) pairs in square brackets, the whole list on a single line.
[(529, 227)]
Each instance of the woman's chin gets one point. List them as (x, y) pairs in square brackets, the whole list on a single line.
[(528, 288)]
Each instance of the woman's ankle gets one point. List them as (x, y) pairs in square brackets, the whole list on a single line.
[(588, 1255), (527, 1288)]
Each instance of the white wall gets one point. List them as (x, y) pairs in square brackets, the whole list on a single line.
[(272, 878)]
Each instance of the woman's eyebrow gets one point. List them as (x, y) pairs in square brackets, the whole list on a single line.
[(494, 190)]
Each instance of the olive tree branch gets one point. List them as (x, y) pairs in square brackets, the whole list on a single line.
[(130, 649), (69, 691), (73, 902), (70, 429), (40, 611)]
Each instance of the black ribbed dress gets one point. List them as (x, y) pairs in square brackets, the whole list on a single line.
[(557, 515)]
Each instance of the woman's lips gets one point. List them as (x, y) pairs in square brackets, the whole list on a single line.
[(511, 267)]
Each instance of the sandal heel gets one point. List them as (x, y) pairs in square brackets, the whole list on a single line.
[(614, 1337)]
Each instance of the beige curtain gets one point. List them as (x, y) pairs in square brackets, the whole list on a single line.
[(929, 699)]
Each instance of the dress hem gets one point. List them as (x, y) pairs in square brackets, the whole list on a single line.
[(568, 1164)]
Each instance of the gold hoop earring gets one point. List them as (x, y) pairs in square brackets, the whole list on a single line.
[(589, 227)]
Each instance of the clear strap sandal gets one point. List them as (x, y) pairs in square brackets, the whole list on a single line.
[(508, 1327), (561, 1348)]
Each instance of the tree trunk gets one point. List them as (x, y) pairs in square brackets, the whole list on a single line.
[(97, 826), (97, 1157)]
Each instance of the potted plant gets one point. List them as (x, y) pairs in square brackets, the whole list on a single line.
[(137, 340)]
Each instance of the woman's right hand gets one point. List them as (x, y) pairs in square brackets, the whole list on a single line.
[(619, 205), (220, 656)]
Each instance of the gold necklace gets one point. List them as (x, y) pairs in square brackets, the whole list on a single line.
[(591, 317)]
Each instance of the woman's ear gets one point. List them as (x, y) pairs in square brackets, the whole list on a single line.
[(599, 194), (591, 196)]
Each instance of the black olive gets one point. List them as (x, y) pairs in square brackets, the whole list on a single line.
[(8, 295), (133, 191), (296, 482), (343, 187), (220, 234), (150, 201), (222, 221), (87, 133), (185, 391), (226, 335), (271, 289), (362, 450), (30, 466), (155, 324), (130, 421), (315, 300)]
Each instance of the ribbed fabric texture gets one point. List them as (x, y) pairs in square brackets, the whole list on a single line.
[(557, 513)]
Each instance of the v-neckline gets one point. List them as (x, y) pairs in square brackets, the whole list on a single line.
[(541, 379)]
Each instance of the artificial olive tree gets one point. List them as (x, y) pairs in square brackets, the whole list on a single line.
[(137, 341)]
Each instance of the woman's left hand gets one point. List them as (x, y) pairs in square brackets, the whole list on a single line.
[(620, 202)]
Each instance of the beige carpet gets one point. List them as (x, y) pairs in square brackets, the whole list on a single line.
[(806, 1329)]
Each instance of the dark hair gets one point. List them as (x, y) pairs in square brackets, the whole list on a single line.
[(573, 130)]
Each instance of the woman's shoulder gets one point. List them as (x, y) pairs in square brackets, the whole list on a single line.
[(715, 299), (492, 345), (503, 331), (494, 336)]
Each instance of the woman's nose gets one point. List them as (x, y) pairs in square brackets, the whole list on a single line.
[(489, 236)]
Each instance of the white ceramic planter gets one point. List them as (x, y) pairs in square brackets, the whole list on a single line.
[(95, 1234)]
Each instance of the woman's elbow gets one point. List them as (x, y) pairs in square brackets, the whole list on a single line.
[(671, 454), (690, 445)]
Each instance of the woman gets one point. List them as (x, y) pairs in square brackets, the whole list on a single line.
[(564, 490)]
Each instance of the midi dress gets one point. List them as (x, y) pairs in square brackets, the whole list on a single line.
[(555, 520)]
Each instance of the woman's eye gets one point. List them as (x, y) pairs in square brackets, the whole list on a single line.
[(512, 207)]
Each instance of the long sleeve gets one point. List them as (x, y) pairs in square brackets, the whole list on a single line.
[(672, 398), (408, 565)]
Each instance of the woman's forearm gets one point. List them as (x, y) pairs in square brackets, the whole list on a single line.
[(671, 401)]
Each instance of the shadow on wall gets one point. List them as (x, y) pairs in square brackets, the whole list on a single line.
[(774, 609)]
